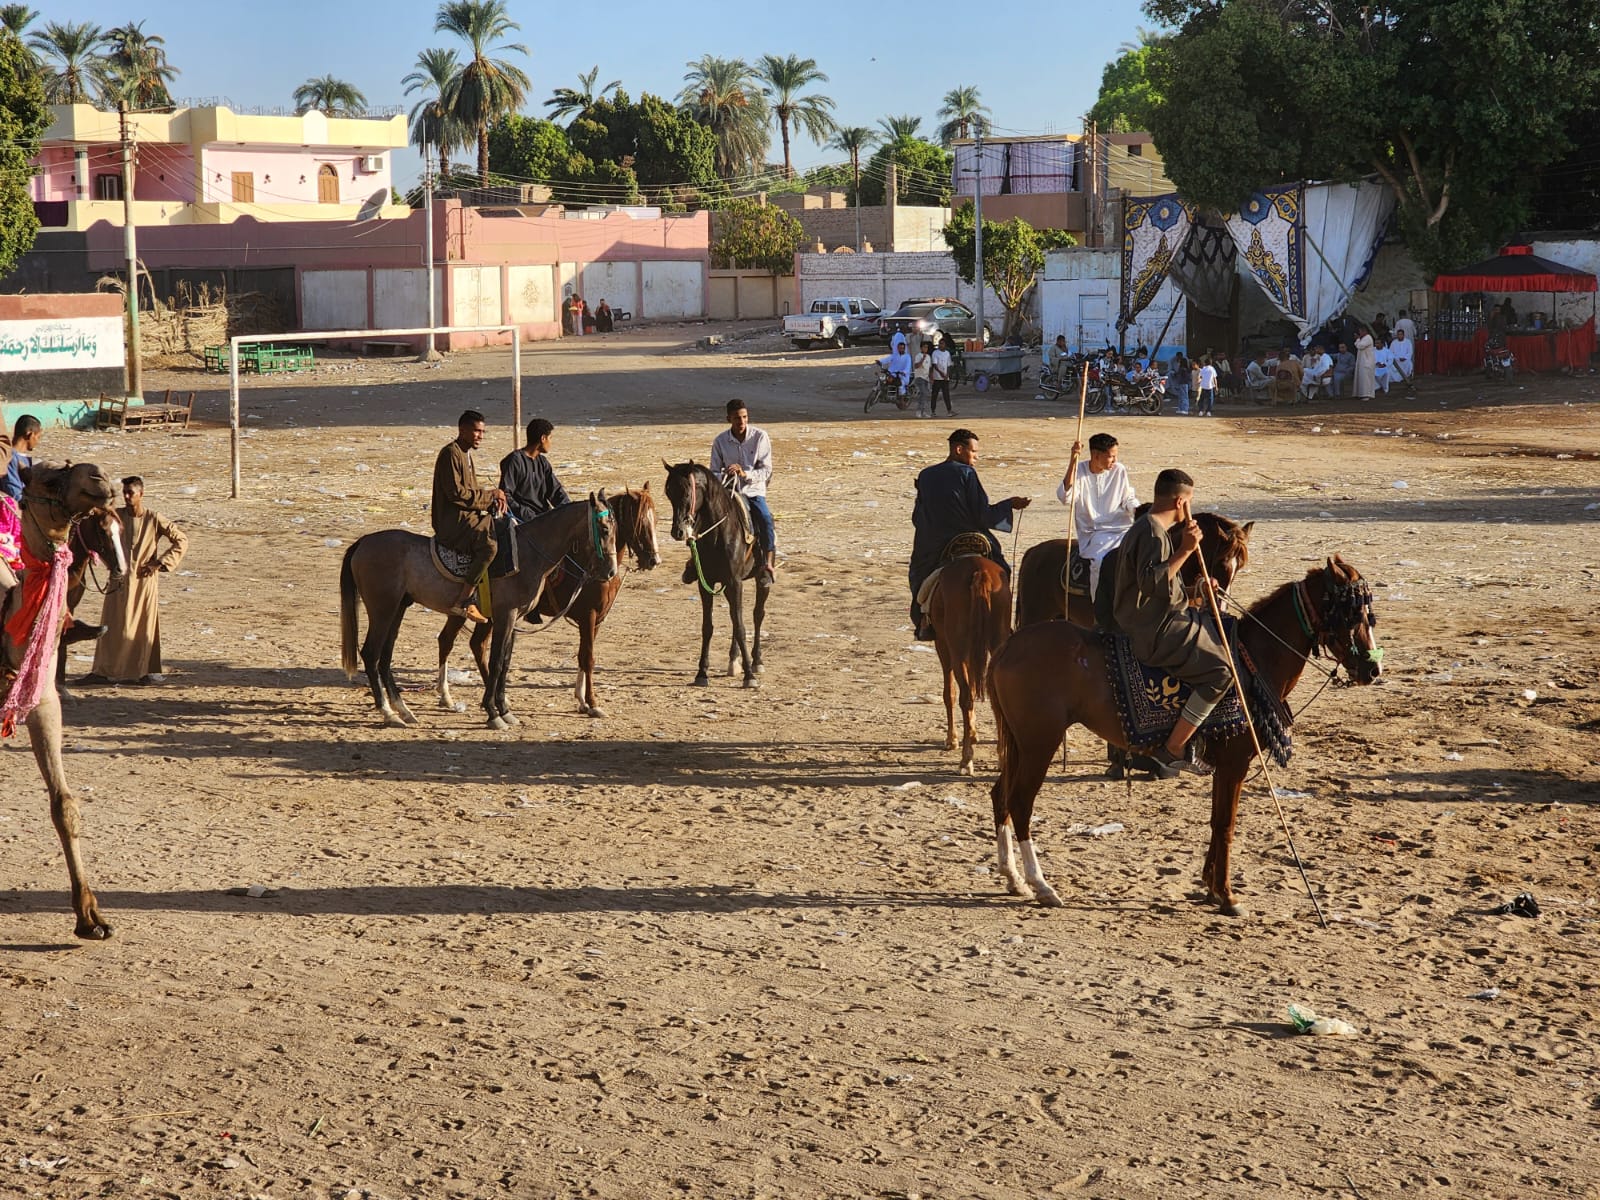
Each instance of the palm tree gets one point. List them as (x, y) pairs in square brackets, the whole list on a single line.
[(330, 96), (784, 80), (896, 128), (137, 69), (853, 140), (485, 88), (432, 123), (963, 115), (724, 95), (72, 68), (577, 101), (17, 17)]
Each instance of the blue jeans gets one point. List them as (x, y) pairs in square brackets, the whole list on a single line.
[(1208, 400), (1180, 396), (761, 518)]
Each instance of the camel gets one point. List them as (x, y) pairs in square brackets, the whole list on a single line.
[(55, 499)]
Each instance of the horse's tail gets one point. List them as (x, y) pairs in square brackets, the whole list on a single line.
[(1005, 744), (988, 621), (347, 611)]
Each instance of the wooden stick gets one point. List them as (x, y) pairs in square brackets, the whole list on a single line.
[(1072, 508), (1249, 723)]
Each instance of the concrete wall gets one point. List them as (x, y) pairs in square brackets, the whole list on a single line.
[(532, 293), (400, 298), (617, 283), (333, 299), (672, 291), (890, 279), (915, 227), (1044, 210), (289, 176), (58, 353), (751, 295)]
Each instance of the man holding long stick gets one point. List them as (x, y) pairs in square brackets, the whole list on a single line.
[(1152, 609)]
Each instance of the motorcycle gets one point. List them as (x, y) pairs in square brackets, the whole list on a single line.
[(886, 390), (1061, 378), (1499, 362), (1115, 392)]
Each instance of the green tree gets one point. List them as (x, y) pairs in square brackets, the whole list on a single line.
[(922, 171), (486, 88), (577, 101), (432, 123), (17, 17), (1013, 255), (756, 235), (137, 71), (23, 119), (784, 82), (662, 145), (853, 139), (1455, 104), (331, 96), (964, 114), (1128, 96), (724, 95), (69, 57), (528, 148), (898, 128)]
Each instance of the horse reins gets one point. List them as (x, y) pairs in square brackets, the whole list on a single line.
[(694, 538)]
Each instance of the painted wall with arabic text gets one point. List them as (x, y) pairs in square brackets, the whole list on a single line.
[(59, 350)]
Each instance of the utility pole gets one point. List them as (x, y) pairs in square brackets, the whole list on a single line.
[(977, 225), (130, 244), (430, 352)]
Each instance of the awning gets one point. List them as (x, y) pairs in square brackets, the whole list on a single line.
[(1515, 269)]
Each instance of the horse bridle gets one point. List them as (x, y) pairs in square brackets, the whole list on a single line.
[(596, 516), (1347, 607), (694, 507)]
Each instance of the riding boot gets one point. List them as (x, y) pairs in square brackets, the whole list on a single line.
[(769, 567), (532, 617)]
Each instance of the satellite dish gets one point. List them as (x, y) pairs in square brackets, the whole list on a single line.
[(373, 205)]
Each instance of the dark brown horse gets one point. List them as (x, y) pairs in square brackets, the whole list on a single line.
[(583, 602), (706, 515), (54, 500), (1225, 545), (393, 569), (970, 611), (1052, 675)]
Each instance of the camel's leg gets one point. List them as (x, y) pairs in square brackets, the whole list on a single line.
[(587, 629), (447, 642), (44, 733), (386, 666), (701, 678), (763, 590), (1225, 787)]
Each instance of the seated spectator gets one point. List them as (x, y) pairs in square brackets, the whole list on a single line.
[(1344, 368), (604, 320), (1402, 357), (1226, 379), (1318, 372), (1286, 381), (1257, 379), (1383, 364)]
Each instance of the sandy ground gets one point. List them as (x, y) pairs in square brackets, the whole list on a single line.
[(732, 943)]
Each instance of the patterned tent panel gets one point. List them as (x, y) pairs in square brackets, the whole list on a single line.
[(1154, 230)]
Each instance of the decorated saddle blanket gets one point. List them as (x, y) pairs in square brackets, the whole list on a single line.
[(1075, 574), (454, 564), (1150, 701)]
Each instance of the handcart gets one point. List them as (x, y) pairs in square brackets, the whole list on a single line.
[(1001, 366)]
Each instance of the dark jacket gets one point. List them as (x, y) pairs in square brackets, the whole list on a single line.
[(950, 501), (530, 485)]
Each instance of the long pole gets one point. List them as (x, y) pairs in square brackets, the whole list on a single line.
[(430, 352), (516, 387), (233, 414), (1072, 510), (131, 246), (1249, 723), (977, 225)]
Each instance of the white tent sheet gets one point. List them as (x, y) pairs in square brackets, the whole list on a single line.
[(1344, 224)]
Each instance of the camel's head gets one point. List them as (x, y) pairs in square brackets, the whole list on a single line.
[(72, 490)]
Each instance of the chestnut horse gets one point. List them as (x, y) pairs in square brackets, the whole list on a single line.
[(1225, 545), (54, 500), (1053, 675), (583, 602), (706, 515), (970, 611)]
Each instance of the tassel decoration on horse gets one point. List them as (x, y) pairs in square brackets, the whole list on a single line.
[(44, 603)]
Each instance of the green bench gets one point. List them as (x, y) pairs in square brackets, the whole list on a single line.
[(260, 359)]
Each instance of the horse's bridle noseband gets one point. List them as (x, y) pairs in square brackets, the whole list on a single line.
[(1347, 607)]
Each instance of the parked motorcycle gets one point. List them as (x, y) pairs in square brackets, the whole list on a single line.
[(1115, 392), (1499, 362), (1062, 378)]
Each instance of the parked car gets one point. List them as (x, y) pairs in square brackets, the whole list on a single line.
[(836, 319), (919, 318)]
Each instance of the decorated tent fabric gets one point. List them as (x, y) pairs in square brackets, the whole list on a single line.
[(1205, 268), (1154, 229), (1271, 243), (1344, 225)]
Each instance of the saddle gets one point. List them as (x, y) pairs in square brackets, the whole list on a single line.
[(1075, 572), (454, 564), (746, 521), (1149, 701), (963, 545)]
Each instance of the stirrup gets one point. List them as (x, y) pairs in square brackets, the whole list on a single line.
[(470, 612)]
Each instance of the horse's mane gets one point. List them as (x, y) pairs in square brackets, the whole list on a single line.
[(1277, 594), (718, 498), (639, 500)]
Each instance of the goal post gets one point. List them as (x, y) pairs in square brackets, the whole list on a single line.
[(246, 339)]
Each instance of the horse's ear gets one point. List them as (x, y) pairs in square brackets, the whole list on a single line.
[(667, 465), (603, 501), (1336, 567), (646, 486), (1244, 530)]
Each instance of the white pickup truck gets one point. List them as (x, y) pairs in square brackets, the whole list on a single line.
[(836, 319)]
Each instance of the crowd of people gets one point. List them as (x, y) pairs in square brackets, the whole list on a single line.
[(578, 319)]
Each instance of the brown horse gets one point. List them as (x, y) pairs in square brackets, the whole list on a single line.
[(1053, 675), (54, 500), (706, 515), (970, 611), (1225, 545), (583, 602), (392, 569)]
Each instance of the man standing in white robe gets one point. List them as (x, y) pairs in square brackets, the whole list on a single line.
[(1104, 503)]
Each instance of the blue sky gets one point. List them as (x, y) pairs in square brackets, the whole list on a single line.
[(1037, 64)]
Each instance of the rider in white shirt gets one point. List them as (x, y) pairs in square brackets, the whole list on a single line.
[(1103, 503)]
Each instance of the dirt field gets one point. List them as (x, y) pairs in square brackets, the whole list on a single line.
[(729, 943)]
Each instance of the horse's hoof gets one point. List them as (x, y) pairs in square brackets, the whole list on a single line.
[(750, 681), (1229, 909), (733, 669), (950, 743), (1014, 886), (93, 931), (594, 710), (757, 666), (509, 719), (965, 768), (1046, 895), (497, 722), (700, 681), (394, 720)]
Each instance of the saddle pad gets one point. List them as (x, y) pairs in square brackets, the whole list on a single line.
[(1150, 701), (744, 516), (1075, 575), (453, 564)]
